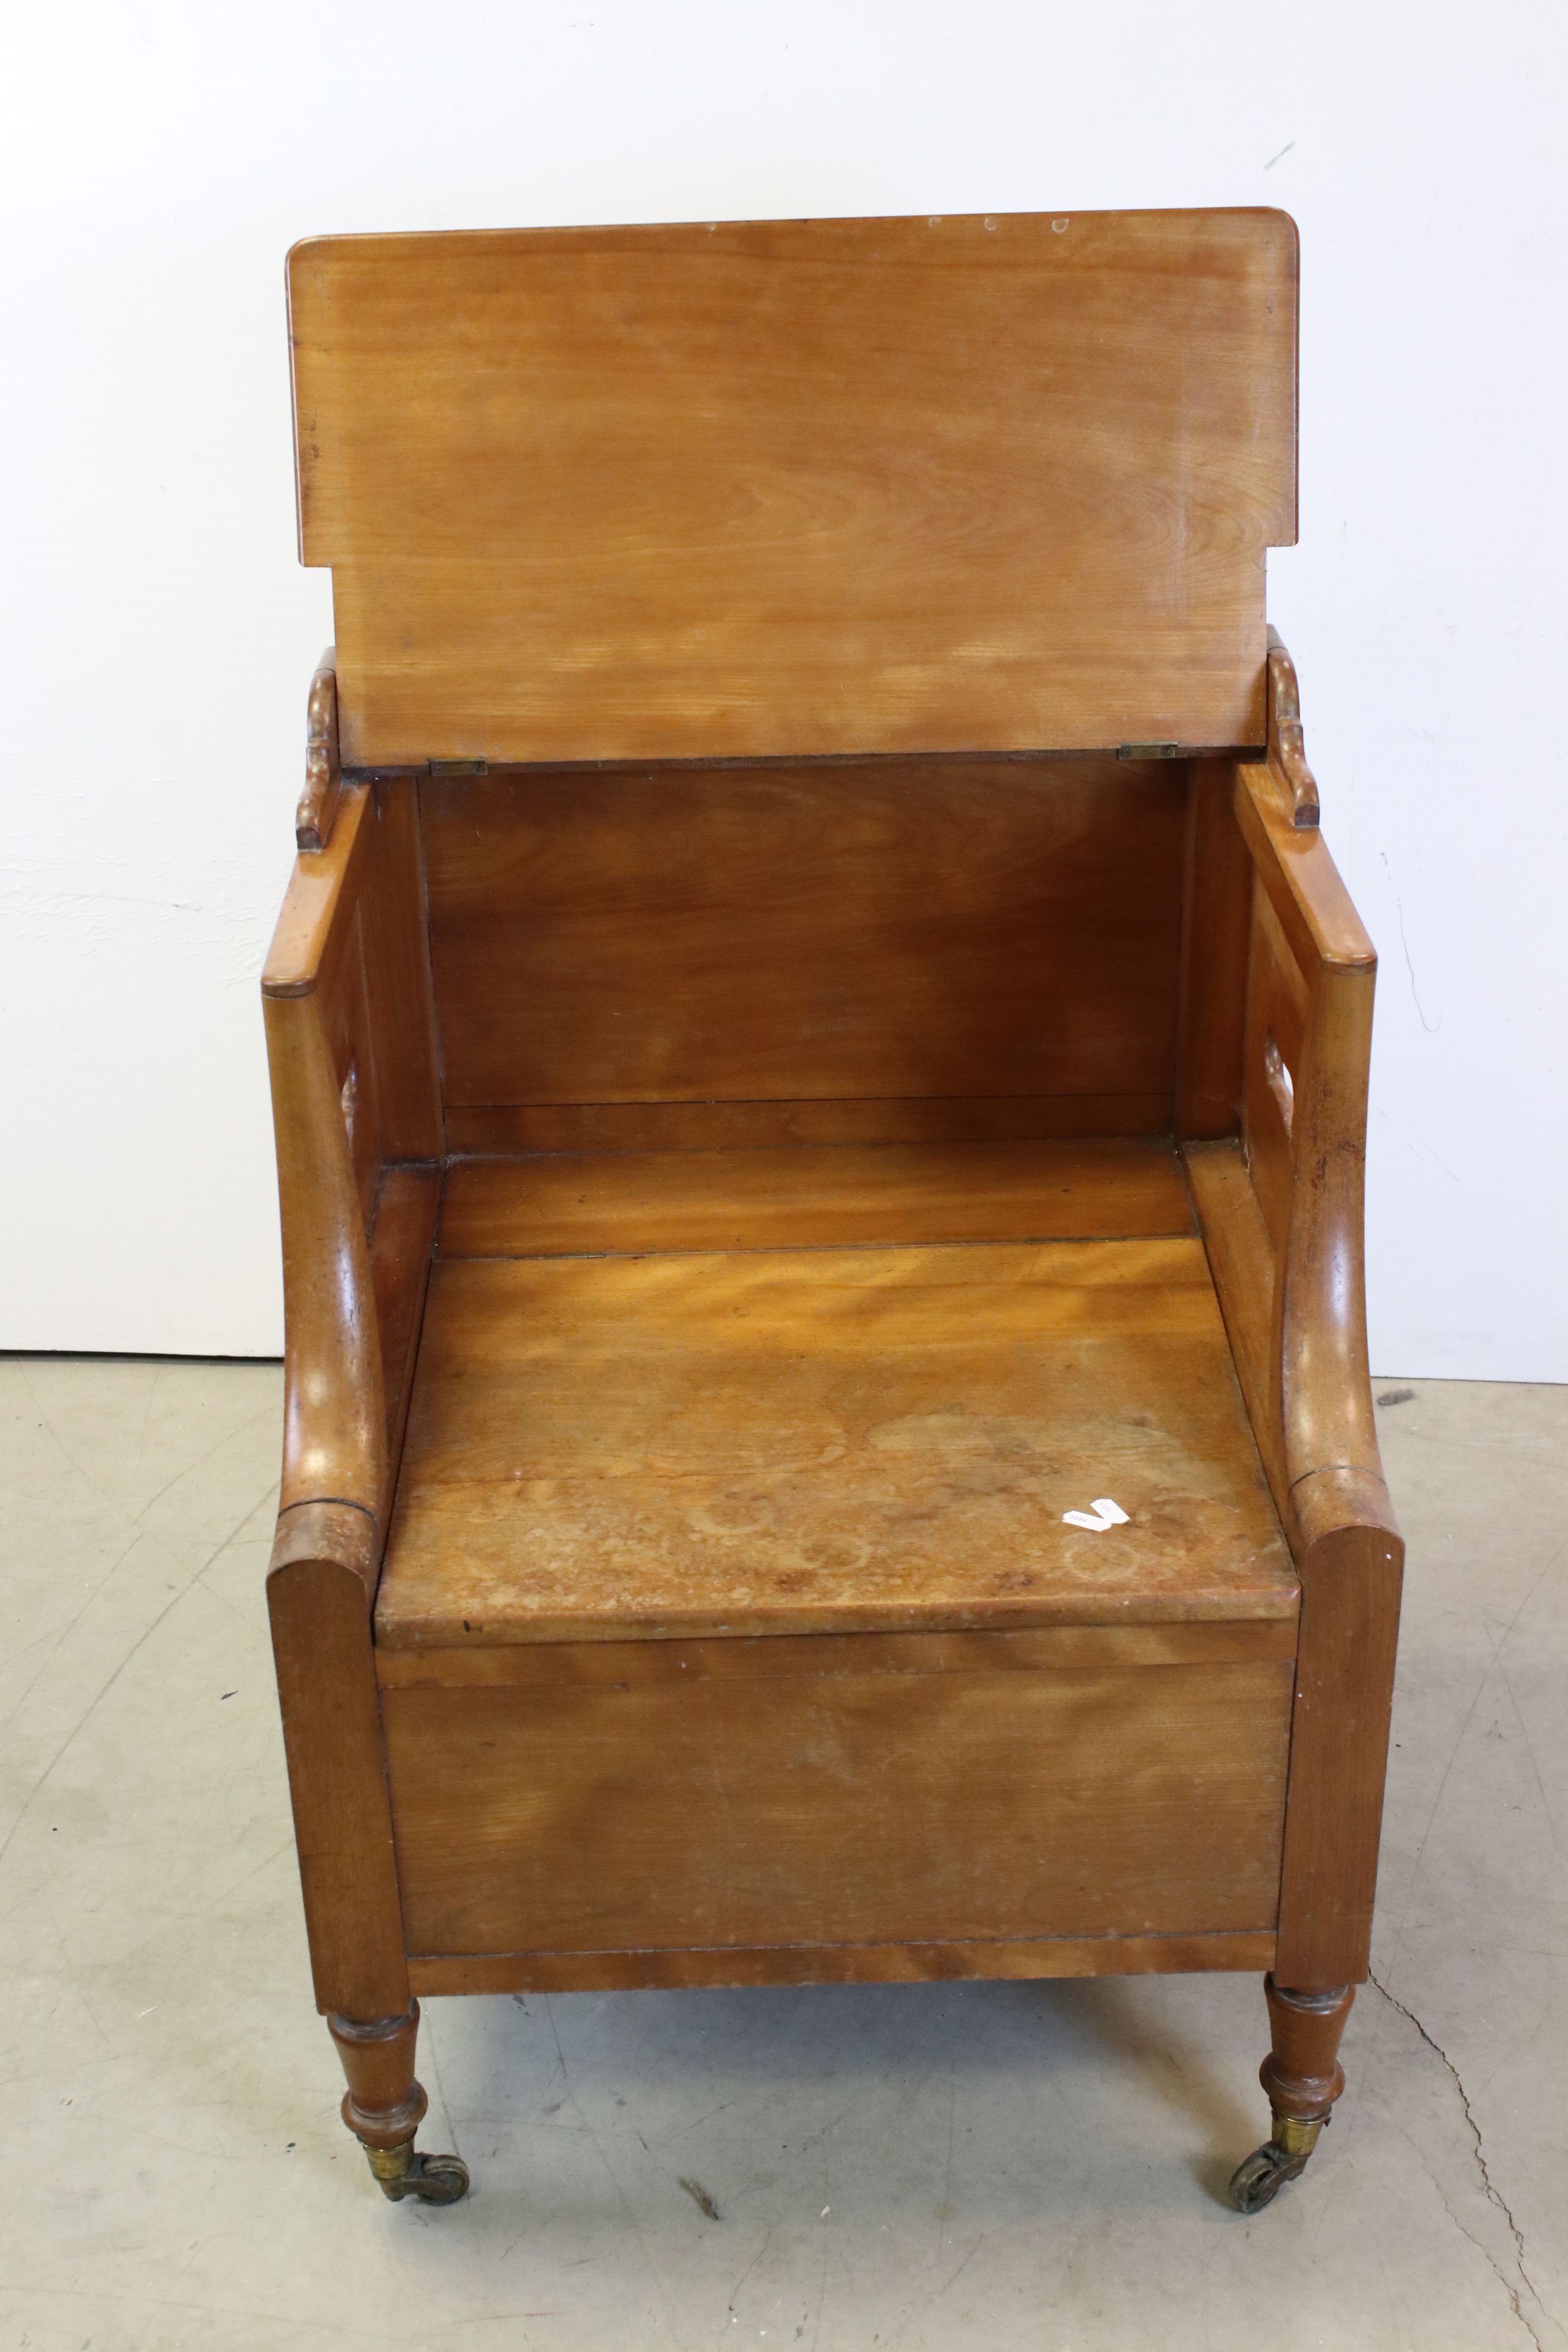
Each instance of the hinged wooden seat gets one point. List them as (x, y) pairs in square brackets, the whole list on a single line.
[(820, 1066), (806, 1391)]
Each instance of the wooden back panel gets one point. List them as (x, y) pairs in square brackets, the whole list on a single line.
[(876, 936), (798, 487)]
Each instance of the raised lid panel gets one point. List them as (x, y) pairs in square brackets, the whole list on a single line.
[(798, 487)]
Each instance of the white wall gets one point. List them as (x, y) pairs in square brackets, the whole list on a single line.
[(160, 636)]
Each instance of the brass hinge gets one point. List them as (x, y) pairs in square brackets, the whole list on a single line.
[(458, 767), (1147, 750)]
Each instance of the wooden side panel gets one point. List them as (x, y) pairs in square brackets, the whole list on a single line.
[(798, 487), (815, 1964), (849, 1808), (353, 936), (1339, 1748), (396, 956), (376, 1001), (944, 930), (1216, 935), (818, 1198), (1278, 1013), (402, 1244), (1247, 1282), (344, 1008)]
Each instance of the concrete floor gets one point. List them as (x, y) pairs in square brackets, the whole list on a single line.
[(924, 2167)]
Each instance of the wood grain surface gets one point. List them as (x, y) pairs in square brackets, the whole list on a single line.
[(1282, 1215), (313, 931), (1278, 1015), (505, 1130), (796, 1440), (807, 1964), (334, 1400), (318, 1595), (844, 1808), (1246, 1280), (820, 1001), (1351, 1580), (400, 1029), (764, 1657), (776, 486), (350, 1022), (941, 928), (1216, 899), (562, 1204), (402, 1243)]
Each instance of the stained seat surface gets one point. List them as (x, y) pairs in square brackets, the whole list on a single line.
[(815, 1390)]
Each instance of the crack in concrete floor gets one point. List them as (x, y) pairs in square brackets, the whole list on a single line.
[(1494, 2194)]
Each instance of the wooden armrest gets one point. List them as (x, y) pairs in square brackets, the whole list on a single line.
[(313, 928), (1305, 1079), (350, 1038), (1281, 1211), (1302, 881), (334, 1414), (1282, 1208)]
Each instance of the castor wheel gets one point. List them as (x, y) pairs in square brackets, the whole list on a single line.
[(404, 2172), (1259, 2180), (385, 2106)]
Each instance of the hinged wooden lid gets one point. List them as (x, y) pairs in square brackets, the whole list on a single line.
[(798, 487)]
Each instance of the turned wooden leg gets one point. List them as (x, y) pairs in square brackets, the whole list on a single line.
[(383, 2106), (1303, 2078)]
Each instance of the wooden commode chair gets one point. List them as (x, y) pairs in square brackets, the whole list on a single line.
[(820, 1065)]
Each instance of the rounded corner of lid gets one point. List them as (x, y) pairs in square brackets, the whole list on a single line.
[(304, 256), (301, 246), (1284, 225)]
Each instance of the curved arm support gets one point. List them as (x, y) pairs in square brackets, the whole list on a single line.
[(334, 1415), (334, 1443), (1325, 1389), (1281, 1206), (1313, 970), (1313, 975)]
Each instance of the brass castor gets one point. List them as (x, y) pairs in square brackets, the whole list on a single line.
[(384, 2108), (1256, 2181), (404, 2172), (1302, 2077)]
